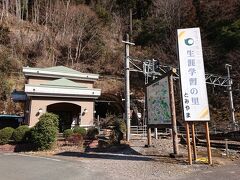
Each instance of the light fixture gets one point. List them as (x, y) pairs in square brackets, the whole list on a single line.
[(40, 110), (84, 111)]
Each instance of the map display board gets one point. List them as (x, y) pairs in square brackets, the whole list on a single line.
[(192, 73), (158, 103)]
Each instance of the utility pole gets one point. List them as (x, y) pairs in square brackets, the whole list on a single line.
[(232, 110), (127, 85), (153, 78), (131, 24), (145, 70)]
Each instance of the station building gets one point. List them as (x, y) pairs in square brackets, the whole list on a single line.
[(63, 91)]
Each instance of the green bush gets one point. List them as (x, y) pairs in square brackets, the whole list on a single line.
[(92, 133), (44, 133), (5, 135), (50, 117), (79, 130), (20, 133), (67, 133)]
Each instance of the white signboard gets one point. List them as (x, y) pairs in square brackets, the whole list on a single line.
[(158, 105), (194, 91)]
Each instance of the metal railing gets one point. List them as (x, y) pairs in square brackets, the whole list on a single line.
[(138, 130)]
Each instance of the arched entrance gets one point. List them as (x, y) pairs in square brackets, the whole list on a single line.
[(67, 113)]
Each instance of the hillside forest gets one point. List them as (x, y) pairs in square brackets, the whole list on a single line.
[(87, 35)]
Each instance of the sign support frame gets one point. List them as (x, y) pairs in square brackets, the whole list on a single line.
[(173, 113), (189, 147), (194, 142), (169, 74), (208, 144), (188, 143)]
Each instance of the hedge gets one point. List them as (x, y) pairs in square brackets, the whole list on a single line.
[(44, 133), (5, 135), (67, 133), (79, 130), (52, 117), (20, 134)]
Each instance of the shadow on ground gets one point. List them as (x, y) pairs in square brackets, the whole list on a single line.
[(112, 156), (119, 149), (116, 153)]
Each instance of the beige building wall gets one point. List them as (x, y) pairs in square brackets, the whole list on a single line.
[(37, 103), (41, 80)]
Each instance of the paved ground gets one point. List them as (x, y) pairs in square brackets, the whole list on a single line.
[(25, 167), (228, 172), (135, 162), (21, 167)]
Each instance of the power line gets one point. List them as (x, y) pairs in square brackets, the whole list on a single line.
[(212, 79)]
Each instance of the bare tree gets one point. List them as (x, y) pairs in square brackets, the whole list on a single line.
[(36, 11), (75, 27), (5, 9)]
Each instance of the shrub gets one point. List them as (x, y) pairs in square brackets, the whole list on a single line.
[(5, 135), (118, 131), (79, 130), (20, 134), (75, 139), (44, 134), (67, 133), (108, 121), (120, 125), (50, 117), (114, 136), (92, 133)]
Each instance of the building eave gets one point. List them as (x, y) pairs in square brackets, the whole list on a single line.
[(43, 73), (48, 91), (61, 96)]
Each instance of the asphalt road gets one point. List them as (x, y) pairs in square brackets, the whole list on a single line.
[(21, 167), (227, 172), (15, 166)]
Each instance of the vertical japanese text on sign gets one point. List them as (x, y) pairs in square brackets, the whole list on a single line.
[(194, 91)]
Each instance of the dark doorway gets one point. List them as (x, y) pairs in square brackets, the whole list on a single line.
[(66, 112)]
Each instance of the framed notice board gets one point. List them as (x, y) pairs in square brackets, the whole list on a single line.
[(158, 102)]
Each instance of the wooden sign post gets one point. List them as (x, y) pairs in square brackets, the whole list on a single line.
[(149, 140), (188, 139), (208, 144), (188, 143), (194, 143), (173, 113)]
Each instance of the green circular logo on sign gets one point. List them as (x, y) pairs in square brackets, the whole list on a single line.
[(189, 41)]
